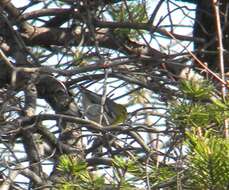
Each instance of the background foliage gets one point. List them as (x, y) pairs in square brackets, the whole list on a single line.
[(136, 53)]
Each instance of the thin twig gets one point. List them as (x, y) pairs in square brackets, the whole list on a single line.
[(200, 63), (220, 48), (5, 60), (220, 57)]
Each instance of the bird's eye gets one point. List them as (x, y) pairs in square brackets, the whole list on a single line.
[(59, 92)]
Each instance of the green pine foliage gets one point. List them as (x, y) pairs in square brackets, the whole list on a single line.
[(208, 151), (198, 107), (208, 163), (128, 174), (196, 91), (135, 13), (77, 176)]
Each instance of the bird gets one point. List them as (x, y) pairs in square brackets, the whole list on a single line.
[(114, 113)]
